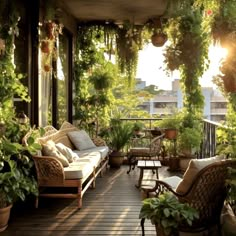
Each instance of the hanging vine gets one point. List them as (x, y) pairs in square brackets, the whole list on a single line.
[(188, 52), (128, 43)]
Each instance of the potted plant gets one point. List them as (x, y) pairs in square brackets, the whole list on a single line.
[(170, 125), (16, 177), (167, 213), (118, 137), (137, 128)]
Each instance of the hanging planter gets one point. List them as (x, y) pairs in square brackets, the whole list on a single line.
[(159, 39), (229, 84)]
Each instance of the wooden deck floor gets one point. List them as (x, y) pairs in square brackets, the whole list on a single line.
[(112, 208)]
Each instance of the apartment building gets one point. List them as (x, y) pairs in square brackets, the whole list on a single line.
[(169, 101)]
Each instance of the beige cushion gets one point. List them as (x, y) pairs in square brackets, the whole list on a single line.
[(49, 149), (103, 150), (59, 137), (67, 125), (67, 152), (78, 170), (81, 140), (49, 129), (195, 165), (94, 158)]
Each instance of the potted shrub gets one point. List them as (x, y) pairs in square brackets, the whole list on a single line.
[(16, 177), (137, 128), (170, 125), (167, 213), (118, 137)]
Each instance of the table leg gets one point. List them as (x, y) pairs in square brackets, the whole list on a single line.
[(140, 179), (157, 173)]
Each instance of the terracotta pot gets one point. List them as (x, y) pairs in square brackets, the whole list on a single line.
[(159, 39), (4, 217), (171, 133)]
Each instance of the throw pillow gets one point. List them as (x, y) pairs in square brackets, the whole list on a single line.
[(81, 140), (49, 149), (67, 152), (195, 165)]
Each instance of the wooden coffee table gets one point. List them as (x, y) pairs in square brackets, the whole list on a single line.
[(147, 165)]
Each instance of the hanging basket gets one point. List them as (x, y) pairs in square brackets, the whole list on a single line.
[(229, 85), (159, 39)]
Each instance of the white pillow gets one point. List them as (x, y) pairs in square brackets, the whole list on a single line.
[(81, 140), (49, 149), (67, 152), (195, 165)]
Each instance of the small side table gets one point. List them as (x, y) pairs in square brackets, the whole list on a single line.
[(147, 165)]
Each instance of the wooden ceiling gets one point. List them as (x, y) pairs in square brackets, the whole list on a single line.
[(137, 11)]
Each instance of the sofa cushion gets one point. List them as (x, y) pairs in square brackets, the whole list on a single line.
[(49, 149), (78, 170), (81, 140), (67, 152), (59, 137), (67, 125), (94, 158), (103, 150), (195, 165)]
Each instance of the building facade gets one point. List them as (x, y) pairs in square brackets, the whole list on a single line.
[(168, 101)]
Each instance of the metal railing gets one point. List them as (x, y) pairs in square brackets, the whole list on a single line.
[(209, 139)]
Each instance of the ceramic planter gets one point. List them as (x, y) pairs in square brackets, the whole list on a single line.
[(116, 159)]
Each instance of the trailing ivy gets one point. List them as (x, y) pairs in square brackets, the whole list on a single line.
[(188, 52)]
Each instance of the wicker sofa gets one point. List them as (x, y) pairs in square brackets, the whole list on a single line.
[(80, 173)]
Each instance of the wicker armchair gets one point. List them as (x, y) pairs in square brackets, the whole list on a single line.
[(152, 151), (207, 194)]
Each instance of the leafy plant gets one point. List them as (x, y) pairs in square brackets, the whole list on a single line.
[(172, 122), (16, 169), (138, 126), (167, 212), (119, 135)]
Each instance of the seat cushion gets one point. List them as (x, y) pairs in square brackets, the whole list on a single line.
[(94, 158), (103, 150), (81, 140), (78, 170), (195, 165)]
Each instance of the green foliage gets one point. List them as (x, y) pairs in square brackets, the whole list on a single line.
[(138, 126), (16, 169), (128, 43), (226, 135), (188, 52), (10, 81), (172, 122), (119, 134), (190, 131), (167, 212)]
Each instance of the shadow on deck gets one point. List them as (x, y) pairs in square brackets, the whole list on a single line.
[(112, 208)]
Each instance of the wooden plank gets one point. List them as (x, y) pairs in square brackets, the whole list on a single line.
[(112, 208)]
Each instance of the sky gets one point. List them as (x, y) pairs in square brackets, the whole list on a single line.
[(151, 67)]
